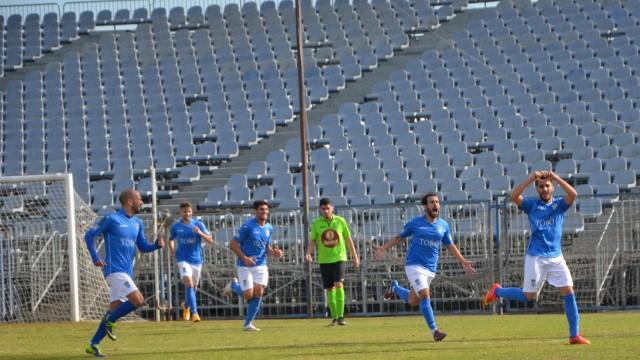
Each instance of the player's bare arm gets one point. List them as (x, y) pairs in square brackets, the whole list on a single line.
[(568, 189), (207, 237), (516, 195), (275, 251), (312, 246), (235, 247), (354, 253), (467, 265), (379, 250)]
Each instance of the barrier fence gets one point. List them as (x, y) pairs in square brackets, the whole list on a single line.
[(602, 253)]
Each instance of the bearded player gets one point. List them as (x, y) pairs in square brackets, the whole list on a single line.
[(330, 236), (428, 233)]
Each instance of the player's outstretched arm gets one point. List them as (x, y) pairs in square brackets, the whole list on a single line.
[(467, 265), (571, 192), (144, 245), (516, 195), (379, 250)]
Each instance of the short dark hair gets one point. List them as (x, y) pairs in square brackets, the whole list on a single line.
[(541, 179), (325, 201), (258, 203), (185, 204), (425, 198), (125, 195)]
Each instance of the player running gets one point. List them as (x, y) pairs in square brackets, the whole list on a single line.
[(123, 232), (188, 233), (251, 245), (544, 260), (427, 233), (330, 235)]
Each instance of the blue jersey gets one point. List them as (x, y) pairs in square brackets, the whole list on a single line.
[(546, 225), (122, 233), (426, 237), (189, 243), (254, 241)]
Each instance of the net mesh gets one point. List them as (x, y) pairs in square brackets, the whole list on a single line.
[(34, 255)]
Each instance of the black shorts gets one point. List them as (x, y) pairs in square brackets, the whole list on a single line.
[(332, 273)]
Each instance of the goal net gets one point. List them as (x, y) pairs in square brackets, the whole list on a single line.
[(46, 273)]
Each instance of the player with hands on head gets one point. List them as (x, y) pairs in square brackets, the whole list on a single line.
[(188, 233), (544, 260), (251, 244), (330, 236), (428, 233), (123, 232)]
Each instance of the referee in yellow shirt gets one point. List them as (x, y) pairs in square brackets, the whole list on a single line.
[(330, 235)]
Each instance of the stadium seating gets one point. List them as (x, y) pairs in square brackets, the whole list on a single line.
[(142, 97), (480, 100)]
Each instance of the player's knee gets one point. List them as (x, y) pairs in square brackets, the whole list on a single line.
[(137, 300), (338, 284), (258, 292), (567, 290), (187, 281)]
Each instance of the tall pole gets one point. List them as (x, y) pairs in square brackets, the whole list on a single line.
[(156, 264), (72, 251), (303, 145)]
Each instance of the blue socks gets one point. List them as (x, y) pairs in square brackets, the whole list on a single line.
[(252, 310), (100, 334), (401, 292), (512, 294), (427, 312), (236, 288), (119, 312), (122, 310), (191, 300), (571, 309)]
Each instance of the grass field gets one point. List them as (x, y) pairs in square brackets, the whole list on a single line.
[(613, 336)]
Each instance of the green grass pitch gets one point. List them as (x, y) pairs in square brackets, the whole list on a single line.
[(613, 335)]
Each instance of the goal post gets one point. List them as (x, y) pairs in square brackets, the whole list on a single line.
[(46, 273)]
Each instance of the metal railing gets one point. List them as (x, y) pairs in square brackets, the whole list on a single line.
[(26, 9), (112, 5), (475, 233)]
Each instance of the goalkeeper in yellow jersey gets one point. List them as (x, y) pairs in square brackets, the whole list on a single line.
[(331, 237)]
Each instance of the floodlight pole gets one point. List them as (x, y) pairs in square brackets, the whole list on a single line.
[(303, 146)]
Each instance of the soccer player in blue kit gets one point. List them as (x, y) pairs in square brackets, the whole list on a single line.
[(544, 260), (189, 233), (123, 232), (251, 245), (427, 233)]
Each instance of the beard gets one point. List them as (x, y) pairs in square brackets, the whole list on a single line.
[(433, 213)]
